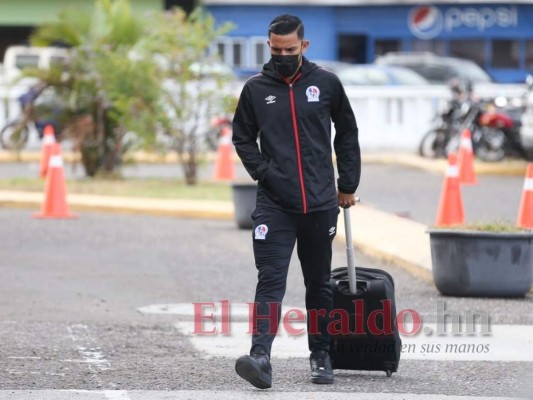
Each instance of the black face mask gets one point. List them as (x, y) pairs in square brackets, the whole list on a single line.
[(286, 65)]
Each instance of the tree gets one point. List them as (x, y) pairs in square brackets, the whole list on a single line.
[(138, 74), (195, 86), (108, 92)]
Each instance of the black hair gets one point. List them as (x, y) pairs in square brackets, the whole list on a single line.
[(285, 25)]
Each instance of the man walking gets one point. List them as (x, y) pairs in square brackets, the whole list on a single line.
[(289, 108)]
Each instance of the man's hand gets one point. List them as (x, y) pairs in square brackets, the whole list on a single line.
[(346, 200)]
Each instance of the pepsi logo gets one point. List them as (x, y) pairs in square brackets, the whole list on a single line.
[(425, 22)]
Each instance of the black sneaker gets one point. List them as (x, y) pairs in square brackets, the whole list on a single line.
[(321, 371), (256, 369)]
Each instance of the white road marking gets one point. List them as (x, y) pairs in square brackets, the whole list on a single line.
[(90, 355), (251, 394), (16, 372), (187, 309), (24, 358), (505, 343), (116, 395)]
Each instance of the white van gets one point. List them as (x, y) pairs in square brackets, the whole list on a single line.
[(17, 58)]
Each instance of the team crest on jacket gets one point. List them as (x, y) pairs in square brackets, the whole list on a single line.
[(261, 232), (313, 93)]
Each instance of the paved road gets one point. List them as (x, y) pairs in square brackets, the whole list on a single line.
[(72, 293), (409, 192), (415, 194), (165, 171)]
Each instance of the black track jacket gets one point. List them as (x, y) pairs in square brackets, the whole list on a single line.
[(293, 164)]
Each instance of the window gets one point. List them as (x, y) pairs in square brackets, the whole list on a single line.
[(529, 55), (241, 52), (59, 61), (505, 54), (353, 48), (231, 50), (470, 49), (385, 46), (259, 52), (221, 50), (435, 73), (237, 54), (433, 46), (27, 60)]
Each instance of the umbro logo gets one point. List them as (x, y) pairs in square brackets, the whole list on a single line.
[(270, 99)]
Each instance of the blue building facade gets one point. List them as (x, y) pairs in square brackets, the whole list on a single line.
[(497, 36)]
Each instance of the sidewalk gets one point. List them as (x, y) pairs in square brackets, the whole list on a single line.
[(386, 236)]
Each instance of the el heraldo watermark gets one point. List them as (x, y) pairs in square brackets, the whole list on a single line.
[(215, 318)]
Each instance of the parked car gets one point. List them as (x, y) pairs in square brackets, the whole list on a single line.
[(360, 74), (436, 69), (369, 74), (17, 58)]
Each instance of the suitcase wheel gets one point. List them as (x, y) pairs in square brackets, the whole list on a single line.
[(389, 373)]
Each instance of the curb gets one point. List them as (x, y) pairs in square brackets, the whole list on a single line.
[(140, 157), (126, 205), (510, 167), (390, 239)]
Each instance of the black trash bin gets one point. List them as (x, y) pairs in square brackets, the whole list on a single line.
[(244, 197)]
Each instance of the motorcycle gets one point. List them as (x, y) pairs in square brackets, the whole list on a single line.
[(496, 131), (503, 127), (511, 124), (488, 138), (435, 143), (526, 120)]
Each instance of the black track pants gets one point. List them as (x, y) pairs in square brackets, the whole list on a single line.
[(274, 235)]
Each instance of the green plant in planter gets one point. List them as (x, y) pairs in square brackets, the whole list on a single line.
[(494, 226), (493, 259)]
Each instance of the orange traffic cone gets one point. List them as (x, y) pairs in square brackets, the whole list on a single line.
[(49, 139), (467, 176), (450, 211), (55, 191), (525, 213), (224, 166)]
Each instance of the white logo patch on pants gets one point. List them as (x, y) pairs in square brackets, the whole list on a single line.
[(261, 232)]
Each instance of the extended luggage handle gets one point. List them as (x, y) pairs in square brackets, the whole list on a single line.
[(352, 274)]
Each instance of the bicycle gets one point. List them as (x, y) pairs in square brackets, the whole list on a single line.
[(15, 134)]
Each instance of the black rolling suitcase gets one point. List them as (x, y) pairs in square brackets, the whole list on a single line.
[(363, 329)]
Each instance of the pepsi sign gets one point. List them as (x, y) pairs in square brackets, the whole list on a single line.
[(427, 22)]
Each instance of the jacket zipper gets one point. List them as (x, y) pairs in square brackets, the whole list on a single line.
[(297, 140)]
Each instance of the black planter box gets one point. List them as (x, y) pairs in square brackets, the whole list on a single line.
[(484, 264)]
